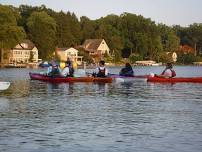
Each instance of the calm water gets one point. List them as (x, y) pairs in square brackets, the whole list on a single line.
[(85, 117)]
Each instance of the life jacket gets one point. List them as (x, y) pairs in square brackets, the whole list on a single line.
[(71, 71), (55, 70), (101, 73)]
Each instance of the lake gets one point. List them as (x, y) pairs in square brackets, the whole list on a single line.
[(87, 117)]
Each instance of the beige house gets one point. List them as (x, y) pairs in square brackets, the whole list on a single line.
[(23, 52), (71, 53), (96, 48)]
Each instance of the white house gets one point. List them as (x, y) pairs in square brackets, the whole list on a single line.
[(23, 53), (71, 53)]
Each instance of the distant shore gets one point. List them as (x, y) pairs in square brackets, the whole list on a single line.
[(91, 66)]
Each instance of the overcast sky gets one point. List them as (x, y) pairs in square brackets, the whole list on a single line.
[(170, 12)]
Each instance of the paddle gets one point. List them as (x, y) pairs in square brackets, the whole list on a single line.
[(4, 85)]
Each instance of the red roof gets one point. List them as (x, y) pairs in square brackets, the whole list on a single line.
[(186, 49)]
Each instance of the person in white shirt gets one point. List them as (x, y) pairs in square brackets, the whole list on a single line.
[(101, 71), (68, 71)]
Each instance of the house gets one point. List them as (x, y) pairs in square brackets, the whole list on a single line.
[(71, 53), (96, 48), (185, 49), (23, 53)]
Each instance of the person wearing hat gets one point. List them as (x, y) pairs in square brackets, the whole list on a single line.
[(168, 72)]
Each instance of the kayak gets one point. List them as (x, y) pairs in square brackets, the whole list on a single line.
[(42, 77), (4, 85), (135, 76), (102, 80), (117, 77), (175, 79)]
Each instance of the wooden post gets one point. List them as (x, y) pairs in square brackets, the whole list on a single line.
[(2, 56), (195, 53)]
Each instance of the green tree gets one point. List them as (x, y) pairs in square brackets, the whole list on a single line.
[(134, 57), (42, 31), (10, 33), (87, 28), (68, 29), (195, 34), (170, 40)]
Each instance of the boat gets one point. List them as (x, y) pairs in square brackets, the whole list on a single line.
[(42, 77), (117, 77), (102, 80), (4, 85), (175, 79)]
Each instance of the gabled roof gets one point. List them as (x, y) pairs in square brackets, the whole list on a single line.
[(92, 44), (61, 49), (29, 43), (65, 49)]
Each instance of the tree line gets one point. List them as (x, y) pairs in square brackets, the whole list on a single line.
[(127, 35)]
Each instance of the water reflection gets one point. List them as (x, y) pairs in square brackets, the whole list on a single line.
[(18, 88), (132, 116), (4, 104)]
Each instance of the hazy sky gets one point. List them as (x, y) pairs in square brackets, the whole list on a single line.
[(170, 12)]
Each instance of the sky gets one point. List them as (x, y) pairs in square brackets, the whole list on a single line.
[(169, 12)]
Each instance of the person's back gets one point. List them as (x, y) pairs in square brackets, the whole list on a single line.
[(65, 72), (127, 70), (68, 71), (101, 71)]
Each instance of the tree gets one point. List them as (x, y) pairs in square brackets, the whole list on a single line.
[(42, 31), (10, 33), (87, 28), (169, 39), (134, 57), (195, 33)]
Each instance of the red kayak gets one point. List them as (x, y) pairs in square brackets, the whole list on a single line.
[(41, 77), (175, 79)]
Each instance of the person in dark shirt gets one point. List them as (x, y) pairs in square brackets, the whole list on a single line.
[(127, 71)]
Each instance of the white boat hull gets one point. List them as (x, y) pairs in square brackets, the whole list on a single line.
[(4, 85)]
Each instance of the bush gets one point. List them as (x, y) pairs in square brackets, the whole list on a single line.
[(134, 57), (188, 58)]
